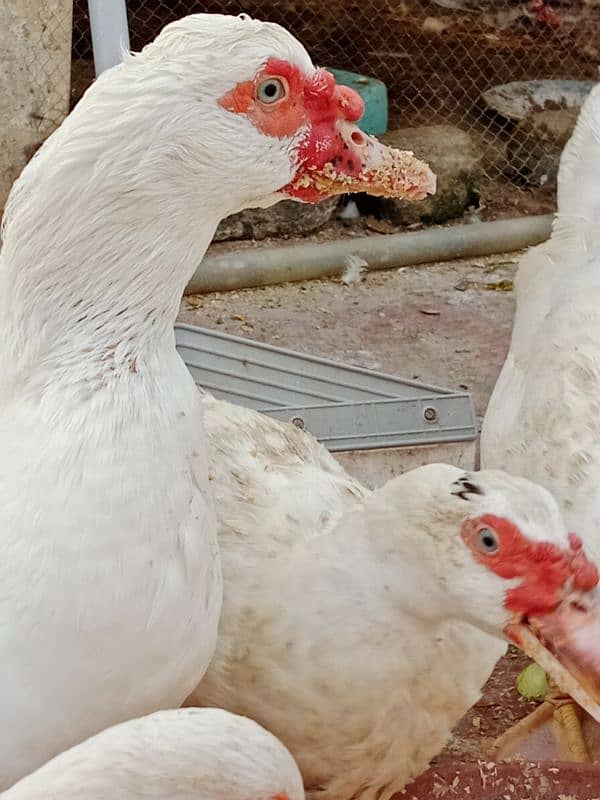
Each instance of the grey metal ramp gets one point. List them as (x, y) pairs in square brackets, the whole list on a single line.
[(345, 407)]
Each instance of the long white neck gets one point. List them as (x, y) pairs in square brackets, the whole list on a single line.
[(70, 295), (575, 238), (578, 219), (93, 266), (107, 223)]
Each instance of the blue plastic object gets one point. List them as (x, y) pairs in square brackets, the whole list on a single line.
[(374, 95)]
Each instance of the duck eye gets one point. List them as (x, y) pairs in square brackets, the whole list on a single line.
[(270, 90), (487, 541)]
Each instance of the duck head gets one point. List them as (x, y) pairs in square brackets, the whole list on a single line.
[(236, 105), (328, 152), (506, 563)]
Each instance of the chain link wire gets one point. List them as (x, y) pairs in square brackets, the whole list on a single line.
[(46, 64), (436, 57)]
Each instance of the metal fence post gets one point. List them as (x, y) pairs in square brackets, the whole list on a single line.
[(110, 32)]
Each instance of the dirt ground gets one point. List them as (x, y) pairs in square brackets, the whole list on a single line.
[(448, 323), (445, 323), (499, 708)]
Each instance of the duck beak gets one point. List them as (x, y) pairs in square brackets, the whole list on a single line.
[(364, 165), (337, 157), (566, 644)]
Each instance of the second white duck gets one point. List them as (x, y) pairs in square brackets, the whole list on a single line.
[(342, 627)]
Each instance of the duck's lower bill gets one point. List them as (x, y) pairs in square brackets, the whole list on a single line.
[(354, 163), (396, 174), (566, 644)]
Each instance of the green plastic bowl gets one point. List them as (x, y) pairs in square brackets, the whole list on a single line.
[(375, 97)]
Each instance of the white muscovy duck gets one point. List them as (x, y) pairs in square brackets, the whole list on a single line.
[(338, 627), (182, 754), (111, 584), (543, 419)]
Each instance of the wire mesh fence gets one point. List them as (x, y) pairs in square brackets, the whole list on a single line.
[(436, 57), (35, 56), (45, 61)]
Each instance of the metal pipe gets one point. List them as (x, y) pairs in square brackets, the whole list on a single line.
[(260, 267), (110, 32)]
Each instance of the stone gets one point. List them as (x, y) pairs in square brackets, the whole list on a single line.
[(455, 156), (287, 218), (534, 151)]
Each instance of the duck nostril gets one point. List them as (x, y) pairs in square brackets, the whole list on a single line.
[(577, 605), (357, 137)]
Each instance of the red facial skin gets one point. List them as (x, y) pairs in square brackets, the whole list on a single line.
[(315, 104), (545, 569)]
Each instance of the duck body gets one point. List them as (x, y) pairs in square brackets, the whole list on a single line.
[(544, 416), (104, 595), (355, 697), (321, 657)]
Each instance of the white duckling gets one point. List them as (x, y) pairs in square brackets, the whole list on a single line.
[(110, 571), (182, 754)]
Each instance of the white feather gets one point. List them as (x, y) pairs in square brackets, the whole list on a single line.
[(191, 754), (354, 271)]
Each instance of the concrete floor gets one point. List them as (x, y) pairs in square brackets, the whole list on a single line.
[(447, 323)]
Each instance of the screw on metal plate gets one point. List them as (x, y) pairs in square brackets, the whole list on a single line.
[(430, 414), (299, 423)]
